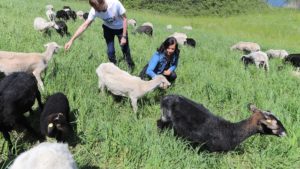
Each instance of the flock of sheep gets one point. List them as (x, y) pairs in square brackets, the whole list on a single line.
[(190, 120)]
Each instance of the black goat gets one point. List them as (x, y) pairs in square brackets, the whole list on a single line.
[(294, 59), (62, 28), (144, 29), (61, 14), (195, 123), (70, 12), (190, 42), (54, 121), (18, 92)]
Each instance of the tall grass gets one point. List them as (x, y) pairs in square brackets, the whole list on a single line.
[(111, 136)]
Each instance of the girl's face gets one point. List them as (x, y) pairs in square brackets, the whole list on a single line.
[(171, 49)]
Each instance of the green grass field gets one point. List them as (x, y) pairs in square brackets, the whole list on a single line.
[(109, 134)]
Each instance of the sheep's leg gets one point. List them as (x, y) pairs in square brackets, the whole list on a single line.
[(134, 104), (7, 138), (101, 86), (37, 74), (257, 64), (39, 99)]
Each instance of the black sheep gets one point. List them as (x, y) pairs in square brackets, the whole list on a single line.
[(294, 59), (18, 92), (54, 121), (190, 42), (61, 14), (85, 15), (62, 28), (197, 124), (144, 29)]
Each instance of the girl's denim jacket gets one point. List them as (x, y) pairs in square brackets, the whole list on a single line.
[(158, 64)]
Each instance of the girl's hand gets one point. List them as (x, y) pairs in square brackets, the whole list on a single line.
[(167, 72), (123, 41)]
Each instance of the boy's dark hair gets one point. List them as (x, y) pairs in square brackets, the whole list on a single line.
[(164, 46)]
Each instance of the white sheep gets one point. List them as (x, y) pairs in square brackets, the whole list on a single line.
[(49, 7), (34, 63), (180, 37), (80, 14), (51, 15), (122, 83), (246, 47), (187, 27), (42, 25), (273, 53), (45, 156), (131, 22), (169, 27), (258, 58)]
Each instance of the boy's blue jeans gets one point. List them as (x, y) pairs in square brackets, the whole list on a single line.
[(109, 35)]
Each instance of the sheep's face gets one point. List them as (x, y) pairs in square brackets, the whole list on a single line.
[(164, 83), (268, 123), (53, 45), (56, 122)]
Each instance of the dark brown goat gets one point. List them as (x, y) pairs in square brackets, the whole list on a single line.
[(195, 123)]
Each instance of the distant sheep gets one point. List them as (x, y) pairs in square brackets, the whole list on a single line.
[(132, 22), (180, 37), (190, 42), (148, 24), (258, 58), (272, 53), (45, 156), (247, 47), (18, 92), (188, 28), (169, 27), (122, 83), (148, 30), (195, 123), (54, 119), (34, 63), (293, 59), (42, 25)]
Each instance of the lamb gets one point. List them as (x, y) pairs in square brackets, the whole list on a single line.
[(192, 121), (62, 28), (34, 63), (180, 37), (273, 53), (294, 59), (18, 92), (148, 30), (122, 83), (258, 58), (132, 22), (246, 47), (40, 24), (45, 156), (54, 119), (50, 13)]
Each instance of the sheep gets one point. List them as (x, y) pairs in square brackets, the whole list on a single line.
[(246, 47), (62, 28), (45, 156), (34, 63), (294, 59), (194, 122), (54, 119), (18, 92), (80, 14), (148, 24), (70, 12), (169, 27), (49, 7), (132, 22), (146, 29), (122, 83), (273, 53), (190, 42), (61, 14), (42, 25), (187, 27), (180, 37), (85, 15), (258, 58)]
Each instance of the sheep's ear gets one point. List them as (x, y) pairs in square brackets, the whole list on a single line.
[(253, 108)]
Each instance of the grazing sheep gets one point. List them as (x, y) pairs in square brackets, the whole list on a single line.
[(258, 58), (79, 14), (180, 37), (49, 7), (132, 22), (62, 28), (247, 47), (192, 121), (122, 83), (50, 13), (54, 119), (187, 28), (294, 59), (272, 53), (61, 14), (70, 12), (148, 30), (148, 24), (85, 15), (34, 63), (42, 25), (45, 156), (18, 92), (190, 42)]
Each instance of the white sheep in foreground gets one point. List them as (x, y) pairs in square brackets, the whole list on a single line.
[(180, 37), (121, 83), (42, 25), (273, 53), (246, 47), (45, 156), (34, 63), (258, 58)]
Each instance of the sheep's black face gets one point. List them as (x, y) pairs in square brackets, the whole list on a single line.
[(271, 125), (57, 123)]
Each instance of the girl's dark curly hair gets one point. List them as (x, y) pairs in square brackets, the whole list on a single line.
[(164, 46)]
